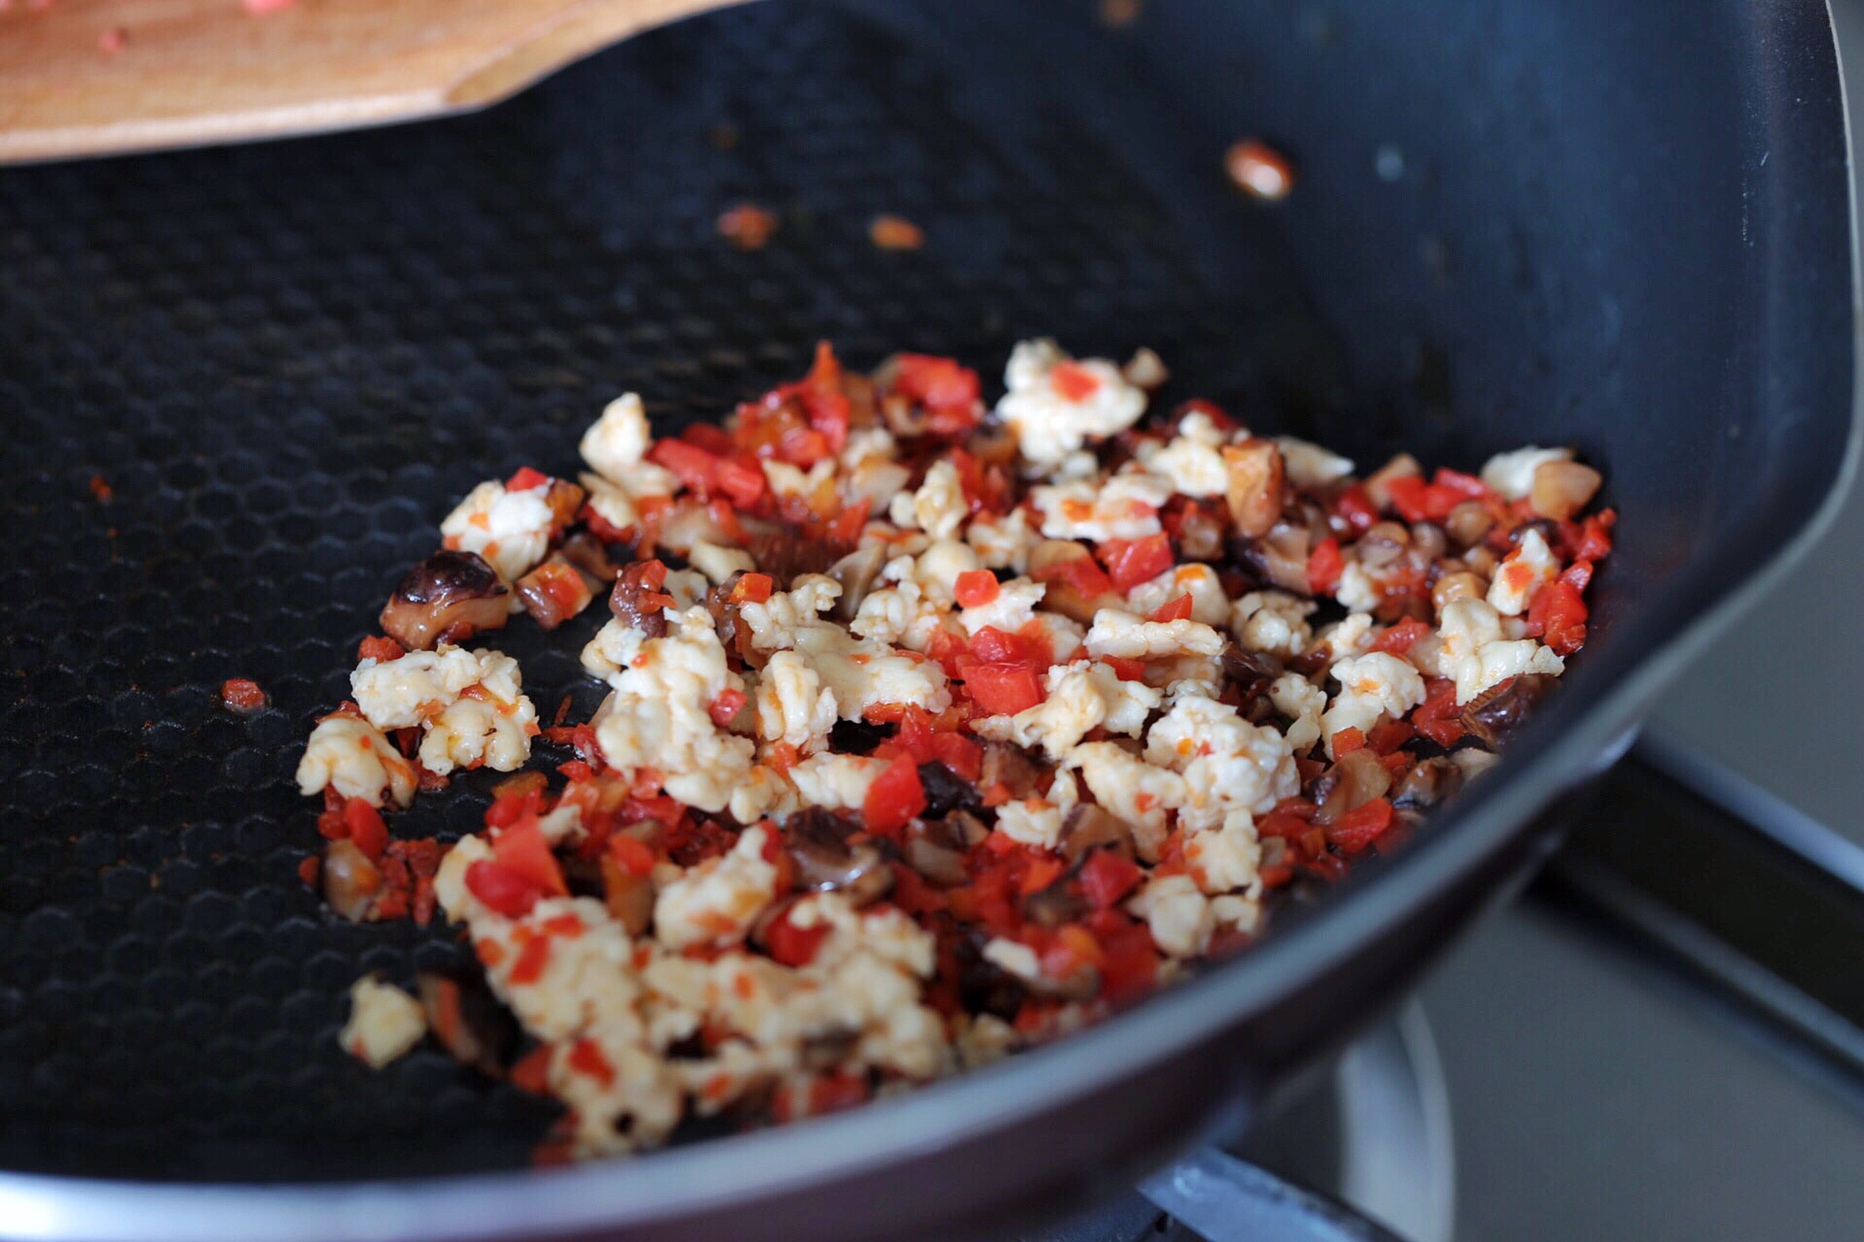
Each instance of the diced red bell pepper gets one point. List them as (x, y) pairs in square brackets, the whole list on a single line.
[(631, 854), (1083, 573), (1560, 614), (501, 889), (726, 706), (1073, 382), (1174, 610), (949, 393), (895, 797), (1401, 637), (1133, 561), (366, 828), (1346, 741), (1106, 877), (586, 1058), (1438, 717), (1003, 689), (1361, 826), (1324, 567), (1356, 507), (692, 465), (526, 479), (522, 850), (752, 588), (532, 959), (975, 588), (792, 945), (381, 650)]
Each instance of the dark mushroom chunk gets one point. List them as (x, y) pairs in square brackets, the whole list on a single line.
[(635, 603), (946, 791), (856, 573), (935, 849), (1090, 827), (468, 1021), (447, 598), (1054, 905), (565, 500), (857, 737), (984, 986), (829, 1049), (1492, 716), (590, 555), (1428, 783), (1249, 671), (828, 861), (1353, 781), (1279, 558), (1014, 769), (628, 897), (351, 880), (556, 591), (786, 553)]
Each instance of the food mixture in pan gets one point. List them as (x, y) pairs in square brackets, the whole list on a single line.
[(935, 729)]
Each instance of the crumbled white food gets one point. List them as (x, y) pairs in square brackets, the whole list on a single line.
[(1125, 506), (658, 715), (384, 1022), (1302, 702), (1013, 957), (1131, 790), (617, 441), (935, 570), (476, 731), (1227, 763), (1358, 590), (1038, 822), (716, 902), (863, 674), (351, 756), (1511, 475), (1209, 605), (1309, 465), (511, 530), (1176, 912), (1476, 654), (1351, 636), (1003, 543), (1012, 609), (1192, 461), (1080, 697), (788, 480), (1522, 573), (938, 507), (900, 616), (793, 705), (838, 782), (1125, 636), (402, 693), (1224, 859), (1274, 622), (613, 649), (1372, 688), (1049, 425), (611, 503)]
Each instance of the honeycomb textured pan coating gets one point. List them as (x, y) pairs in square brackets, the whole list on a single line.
[(286, 362)]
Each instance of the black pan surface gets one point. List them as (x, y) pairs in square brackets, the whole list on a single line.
[(1618, 226)]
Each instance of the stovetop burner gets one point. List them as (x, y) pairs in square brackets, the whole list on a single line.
[(1371, 1130)]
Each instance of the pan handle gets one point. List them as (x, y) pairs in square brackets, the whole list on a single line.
[(1228, 1200)]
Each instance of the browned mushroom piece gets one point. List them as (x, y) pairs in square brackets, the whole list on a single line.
[(946, 791), (828, 1049), (1279, 558), (1063, 596), (447, 598), (1200, 532), (351, 880), (565, 501), (1429, 782), (827, 861), (1054, 905), (935, 849), (1492, 716), (590, 555), (1351, 782), (1255, 486), (856, 573), (786, 553), (1014, 769), (629, 897), (637, 604), (1090, 827), (1250, 671), (556, 591), (468, 1021)]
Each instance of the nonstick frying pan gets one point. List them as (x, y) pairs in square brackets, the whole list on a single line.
[(241, 386)]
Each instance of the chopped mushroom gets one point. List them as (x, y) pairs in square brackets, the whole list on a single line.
[(1497, 712), (447, 598), (468, 1021), (826, 861), (555, 591)]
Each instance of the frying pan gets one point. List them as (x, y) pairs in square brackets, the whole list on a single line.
[(241, 386)]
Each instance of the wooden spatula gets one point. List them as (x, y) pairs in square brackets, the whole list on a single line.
[(90, 77)]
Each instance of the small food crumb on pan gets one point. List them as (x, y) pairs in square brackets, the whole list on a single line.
[(1259, 170), (895, 233), (747, 226), (242, 695)]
